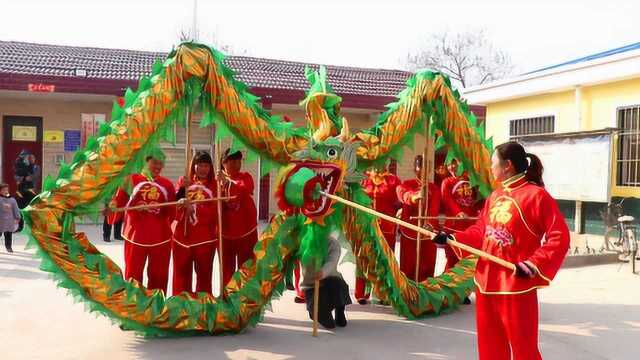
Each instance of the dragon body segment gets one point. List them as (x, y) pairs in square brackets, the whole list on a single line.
[(324, 155)]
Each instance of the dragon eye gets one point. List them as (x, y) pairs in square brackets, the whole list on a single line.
[(332, 153)]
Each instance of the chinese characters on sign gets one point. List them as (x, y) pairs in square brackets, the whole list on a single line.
[(41, 88), (90, 126)]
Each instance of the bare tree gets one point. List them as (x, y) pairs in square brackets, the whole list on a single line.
[(468, 58)]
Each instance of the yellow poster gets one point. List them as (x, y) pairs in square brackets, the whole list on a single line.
[(53, 136), (24, 133)]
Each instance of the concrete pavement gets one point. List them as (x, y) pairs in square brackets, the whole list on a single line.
[(588, 313)]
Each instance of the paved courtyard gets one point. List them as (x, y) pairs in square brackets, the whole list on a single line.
[(588, 313)]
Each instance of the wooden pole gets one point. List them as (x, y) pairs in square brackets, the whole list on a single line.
[(420, 230), (218, 155), (316, 299), (423, 202), (159, 205), (445, 217), (187, 166)]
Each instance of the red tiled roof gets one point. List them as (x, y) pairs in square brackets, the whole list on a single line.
[(31, 59), (111, 71)]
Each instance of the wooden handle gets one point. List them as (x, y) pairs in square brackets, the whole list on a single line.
[(444, 218), (482, 254), (420, 230), (218, 155), (188, 158), (316, 298), (171, 203)]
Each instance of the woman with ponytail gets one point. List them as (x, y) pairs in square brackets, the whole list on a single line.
[(516, 218)]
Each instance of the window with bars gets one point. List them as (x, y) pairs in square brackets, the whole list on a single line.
[(531, 126), (628, 158)]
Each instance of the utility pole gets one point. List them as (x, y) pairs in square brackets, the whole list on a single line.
[(194, 27)]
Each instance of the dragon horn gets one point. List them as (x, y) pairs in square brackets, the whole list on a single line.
[(345, 134), (322, 129)]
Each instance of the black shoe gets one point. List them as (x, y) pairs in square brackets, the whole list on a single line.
[(299, 300), (118, 238), (466, 301), (289, 285), (325, 319), (341, 319), (106, 239), (9, 250), (363, 301)]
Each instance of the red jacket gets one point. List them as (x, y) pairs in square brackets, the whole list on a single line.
[(382, 190), (458, 197), (146, 227), (239, 216), (512, 225), (406, 191), (202, 226)]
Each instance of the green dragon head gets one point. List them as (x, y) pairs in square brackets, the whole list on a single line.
[(325, 165)]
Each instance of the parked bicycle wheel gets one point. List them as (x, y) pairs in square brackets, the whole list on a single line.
[(633, 247)]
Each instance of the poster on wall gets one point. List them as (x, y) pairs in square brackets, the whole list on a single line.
[(575, 168), (90, 123), (24, 133), (71, 140), (53, 136)]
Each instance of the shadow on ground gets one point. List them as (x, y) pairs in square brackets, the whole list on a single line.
[(451, 336)]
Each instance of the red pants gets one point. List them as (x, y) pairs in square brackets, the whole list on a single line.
[(185, 259), (237, 249), (361, 282), (135, 257), (507, 326), (408, 258)]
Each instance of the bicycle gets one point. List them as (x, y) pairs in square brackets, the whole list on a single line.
[(626, 245)]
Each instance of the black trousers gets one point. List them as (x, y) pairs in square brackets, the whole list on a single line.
[(8, 238), (333, 294), (106, 230)]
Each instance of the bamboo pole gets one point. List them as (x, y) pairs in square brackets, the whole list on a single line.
[(423, 231), (159, 205), (445, 217), (153, 206), (217, 165), (423, 202), (316, 299), (187, 166)]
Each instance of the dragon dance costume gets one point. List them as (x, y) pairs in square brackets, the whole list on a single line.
[(407, 193), (459, 199), (239, 224), (147, 233), (195, 249), (515, 219)]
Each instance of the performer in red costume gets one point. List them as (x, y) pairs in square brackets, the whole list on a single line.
[(239, 215), (460, 200), (147, 232), (440, 171), (381, 186), (515, 219), (409, 193), (196, 248)]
